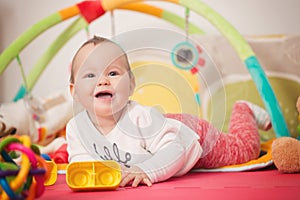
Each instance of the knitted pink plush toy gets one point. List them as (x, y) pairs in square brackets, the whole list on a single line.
[(286, 152)]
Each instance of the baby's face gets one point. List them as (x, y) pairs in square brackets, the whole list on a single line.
[(102, 81)]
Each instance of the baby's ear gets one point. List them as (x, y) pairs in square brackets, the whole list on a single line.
[(132, 85), (72, 91), (71, 88)]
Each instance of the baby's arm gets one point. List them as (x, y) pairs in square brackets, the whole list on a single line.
[(161, 166), (174, 154), (164, 163), (76, 151), (174, 147)]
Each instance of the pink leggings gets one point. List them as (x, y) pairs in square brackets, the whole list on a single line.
[(240, 145)]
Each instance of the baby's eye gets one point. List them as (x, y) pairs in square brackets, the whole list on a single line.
[(90, 75), (113, 73)]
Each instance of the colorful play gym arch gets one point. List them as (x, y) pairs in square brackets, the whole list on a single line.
[(88, 11)]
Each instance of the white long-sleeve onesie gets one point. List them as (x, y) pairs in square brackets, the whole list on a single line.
[(143, 137)]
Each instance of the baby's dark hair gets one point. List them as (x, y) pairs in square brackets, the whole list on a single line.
[(96, 40)]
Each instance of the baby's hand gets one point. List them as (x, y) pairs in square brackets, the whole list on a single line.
[(135, 176)]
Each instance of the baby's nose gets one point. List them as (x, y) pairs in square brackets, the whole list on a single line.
[(103, 81)]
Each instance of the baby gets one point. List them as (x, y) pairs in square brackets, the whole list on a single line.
[(150, 147)]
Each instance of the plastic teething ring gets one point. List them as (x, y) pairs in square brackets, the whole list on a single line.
[(25, 166), (5, 186), (28, 166), (3, 144), (43, 164), (40, 187), (27, 151), (15, 172), (17, 182), (32, 190), (34, 160)]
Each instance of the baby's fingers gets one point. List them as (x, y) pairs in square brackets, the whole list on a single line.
[(126, 180), (137, 180), (147, 182), (140, 179)]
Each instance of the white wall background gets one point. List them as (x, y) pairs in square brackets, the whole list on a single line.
[(249, 17)]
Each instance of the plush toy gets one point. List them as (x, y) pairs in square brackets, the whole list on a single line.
[(42, 119), (286, 152)]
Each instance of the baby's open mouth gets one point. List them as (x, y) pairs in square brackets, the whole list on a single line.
[(104, 95)]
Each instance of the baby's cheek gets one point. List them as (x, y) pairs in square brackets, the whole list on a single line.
[(86, 85), (124, 85)]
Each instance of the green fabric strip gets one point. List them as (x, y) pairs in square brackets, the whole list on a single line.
[(52, 50), (23, 40), (271, 103)]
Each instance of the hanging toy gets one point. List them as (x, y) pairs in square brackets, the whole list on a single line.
[(185, 56)]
